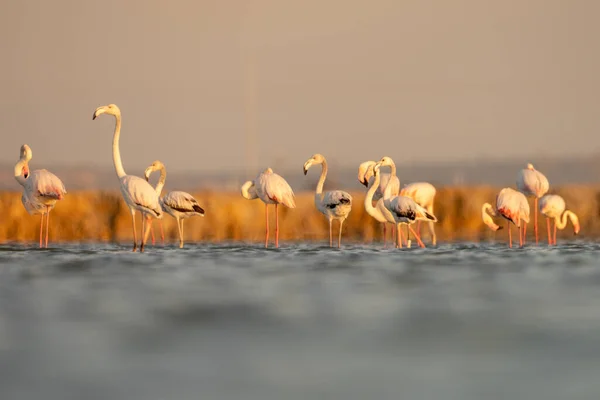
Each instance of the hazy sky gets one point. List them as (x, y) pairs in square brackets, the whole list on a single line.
[(206, 85)]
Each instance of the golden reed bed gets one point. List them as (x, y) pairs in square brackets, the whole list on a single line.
[(101, 216)]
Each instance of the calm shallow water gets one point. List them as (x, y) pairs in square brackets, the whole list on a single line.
[(461, 321)]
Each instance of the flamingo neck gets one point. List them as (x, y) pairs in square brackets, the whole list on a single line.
[(19, 171), (248, 191), (393, 169), (561, 222), (161, 181), (369, 197), (116, 153), (487, 211), (322, 177)]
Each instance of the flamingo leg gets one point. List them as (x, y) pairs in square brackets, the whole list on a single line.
[(524, 232), (47, 223), (147, 225), (340, 234), (152, 236), (276, 226), (432, 226), (509, 235), (416, 237), (41, 229), (418, 228), (398, 236), (384, 236), (330, 234), (394, 234), (549, 234), (520, 236), (535, 212), (162, 233), (266, 226), (134, 232), (407, 238), (180, 233), (554, 233)]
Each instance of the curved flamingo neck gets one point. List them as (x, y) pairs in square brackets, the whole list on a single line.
[(116, 153), (393, 169), (248, 190), (19, 172), (369, 197), (161, 180), (322, 177), (561, 222), (487, 212)]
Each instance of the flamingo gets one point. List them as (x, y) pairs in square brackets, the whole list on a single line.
[(379, 212), (531, 182), (271, 189), (553, 207), (365, 176), (41, 189), (335, 204), (405, 211), (179, 205), (513, 206), (423, 193), (138, 194)]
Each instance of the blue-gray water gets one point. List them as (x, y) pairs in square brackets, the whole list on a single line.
[(460, 321)]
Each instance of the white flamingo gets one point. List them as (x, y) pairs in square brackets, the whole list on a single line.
[(511, 205), (180, 205), (365, 176), (41, 189), (553, 207), (405, 211), (271, 189), (533, 183), (335, 204), (423, 193), (137, 193), (379, 212)]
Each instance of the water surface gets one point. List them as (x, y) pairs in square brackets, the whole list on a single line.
[(236, 321)]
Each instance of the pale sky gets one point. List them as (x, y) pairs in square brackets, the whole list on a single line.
[(196, 80)]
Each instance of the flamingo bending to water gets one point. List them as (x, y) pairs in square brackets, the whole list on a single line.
[(335, 204), (511, 205), (137, 193), (531, 182), (180, 205), (41, 189), (553, 207), (271, 189)]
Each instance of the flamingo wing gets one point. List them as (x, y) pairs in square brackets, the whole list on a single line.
[(44, 183), (336, 198), (422, 192), (141, 194), (279, 191), (532, 182), (182, 202)]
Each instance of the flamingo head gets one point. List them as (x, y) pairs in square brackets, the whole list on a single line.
[(25, 171), (316, 159), (365, 171), (26, 153), (376, 168), (386, 162), (155, 166), (111, 109), (530, 167)]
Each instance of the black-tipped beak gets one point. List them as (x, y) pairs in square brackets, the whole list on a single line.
[(147, 178), (575, 233), (305, 171), (365, 183), (500, 227), (94, 116)]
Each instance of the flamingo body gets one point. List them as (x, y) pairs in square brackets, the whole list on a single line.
[(533, 183), (512, 206), (553, 207), (423, 193)]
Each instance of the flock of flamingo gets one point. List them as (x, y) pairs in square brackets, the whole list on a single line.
[(393, 205)]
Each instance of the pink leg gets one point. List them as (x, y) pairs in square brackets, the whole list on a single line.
[(398, 236), (554, 232), (535, 219), (162, 233), (394, 233), (549, 234), (407, 236), (276, 227), (509, 236), (146, 233), (524, 231), (134, 232), (47, 223), (520, 237), (267, 225), (152, 236), (416, 236), (419, 228), (41, 229), (384, 236)]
